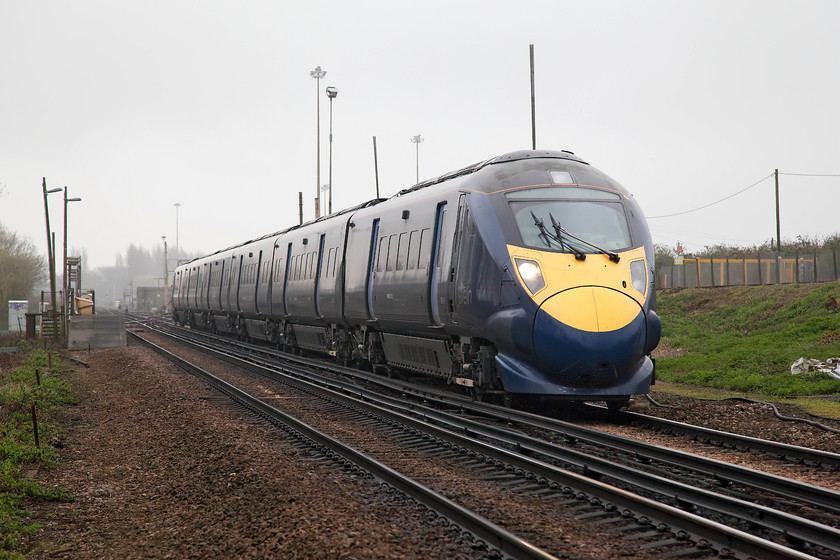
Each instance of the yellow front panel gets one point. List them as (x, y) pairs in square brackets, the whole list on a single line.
[(594, 295), (592, 309)]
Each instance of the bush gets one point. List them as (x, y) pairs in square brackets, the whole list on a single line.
[(18, 393)]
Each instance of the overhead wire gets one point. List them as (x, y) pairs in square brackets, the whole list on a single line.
[(712, 203), (810, 174)]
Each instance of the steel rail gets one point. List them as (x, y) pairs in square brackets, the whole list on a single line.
[(468, 520), (725, 472), (782, 450), (701, 528), (793, 527)]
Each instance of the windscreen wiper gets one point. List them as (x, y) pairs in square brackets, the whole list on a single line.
[(560, 230), (579, 255)]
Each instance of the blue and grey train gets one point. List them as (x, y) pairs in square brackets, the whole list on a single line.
[(529, 274)]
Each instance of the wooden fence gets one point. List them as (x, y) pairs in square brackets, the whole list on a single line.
[(693, 273)]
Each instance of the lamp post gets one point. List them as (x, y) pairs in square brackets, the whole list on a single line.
[(331, 93), (50, 249), (165, 277), (417, 139), (318, 74), (65, 277), (177, 240)]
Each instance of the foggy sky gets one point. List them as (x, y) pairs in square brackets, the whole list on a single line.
[(135, 106)]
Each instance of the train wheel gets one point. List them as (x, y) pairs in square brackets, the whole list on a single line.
[(615, 406), (512, 400)]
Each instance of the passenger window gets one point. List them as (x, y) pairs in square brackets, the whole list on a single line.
[(402, 251), (424, 253), (382, 255), (412, 250), (392, 252), (326, 271)]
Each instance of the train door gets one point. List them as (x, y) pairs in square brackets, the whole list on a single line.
[(371, 262), (194, 290), (463, 257), (224, 291), (235, 280), (204, 297), (435, 265), (221, 282), (257, 282), (319, 265), (286, 280)]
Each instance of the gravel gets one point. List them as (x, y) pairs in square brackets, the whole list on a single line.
[(162, 467)]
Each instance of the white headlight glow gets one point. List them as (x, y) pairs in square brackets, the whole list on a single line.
[(531, 275), (638, 276)]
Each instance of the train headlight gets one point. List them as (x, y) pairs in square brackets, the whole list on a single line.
[(531, 275), (638, 276)]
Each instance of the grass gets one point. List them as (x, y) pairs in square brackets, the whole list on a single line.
[(744, 339), (18, 453), (824, 407)]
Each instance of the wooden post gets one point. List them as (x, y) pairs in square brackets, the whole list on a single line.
[(778, 229), (35, 426)]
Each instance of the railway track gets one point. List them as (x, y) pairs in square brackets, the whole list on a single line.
[(792, 453), (659, 511)]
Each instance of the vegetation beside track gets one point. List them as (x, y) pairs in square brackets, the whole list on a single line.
[(743, 340), (19, 455)]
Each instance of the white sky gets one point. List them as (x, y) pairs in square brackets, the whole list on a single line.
[(135, 106)]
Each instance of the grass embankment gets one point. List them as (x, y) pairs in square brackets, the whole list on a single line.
[(743, 340), (18, 453)]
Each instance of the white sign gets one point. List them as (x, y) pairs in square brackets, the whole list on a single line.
[(17, 315)]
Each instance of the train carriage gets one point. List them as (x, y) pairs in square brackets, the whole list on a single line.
[(530, 273)]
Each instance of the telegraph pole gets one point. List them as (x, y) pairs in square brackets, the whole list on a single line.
[(778, 232), (50, 251), (533, 105)]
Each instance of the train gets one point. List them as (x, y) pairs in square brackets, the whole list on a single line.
[(527, 276)]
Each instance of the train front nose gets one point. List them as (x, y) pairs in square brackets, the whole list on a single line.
[(592, 336)]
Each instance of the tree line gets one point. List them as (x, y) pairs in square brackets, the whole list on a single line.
[(24, 273), (22, 268), (802, 246)]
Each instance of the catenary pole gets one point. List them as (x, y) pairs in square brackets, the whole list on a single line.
[(533, 105), (778, 232)]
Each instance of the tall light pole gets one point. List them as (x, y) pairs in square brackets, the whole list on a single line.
[(318, 74), (331, 93), (177, 205), (65, 277), (165, 277), (417, 139), (50, 249)]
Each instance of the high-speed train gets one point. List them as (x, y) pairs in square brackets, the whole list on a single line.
[(529, 274)]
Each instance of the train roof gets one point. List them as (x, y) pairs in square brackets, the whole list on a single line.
[(510, 156), (470, 169)]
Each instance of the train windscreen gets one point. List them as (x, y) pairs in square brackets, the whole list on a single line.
[(570, 219)]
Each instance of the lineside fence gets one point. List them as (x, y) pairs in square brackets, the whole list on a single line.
[(693, 273)]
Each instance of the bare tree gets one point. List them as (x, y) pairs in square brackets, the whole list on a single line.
[(21, 269)]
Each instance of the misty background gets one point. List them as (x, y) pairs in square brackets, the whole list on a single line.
[(138, 106)]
